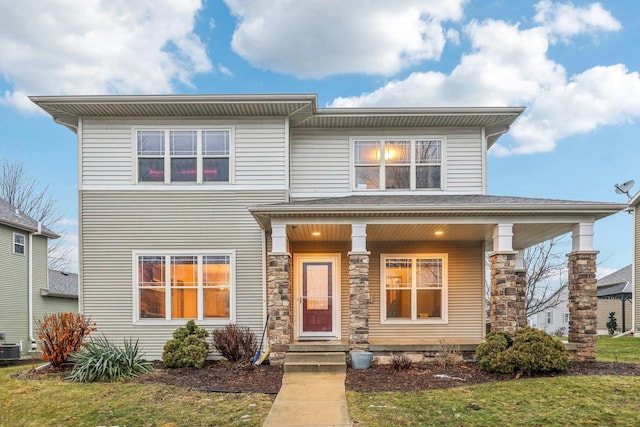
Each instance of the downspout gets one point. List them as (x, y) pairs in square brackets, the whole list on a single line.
[(31, 338)]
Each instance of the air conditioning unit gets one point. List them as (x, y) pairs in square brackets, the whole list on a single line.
[(8, 352)]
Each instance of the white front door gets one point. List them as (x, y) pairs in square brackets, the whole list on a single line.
[(318, 296)]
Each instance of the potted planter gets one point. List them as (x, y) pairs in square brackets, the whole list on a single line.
[(360, 359)]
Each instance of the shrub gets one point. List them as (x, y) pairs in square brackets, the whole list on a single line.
[(235, 343), (61, 334), (100, 360), (612, 324), (531, 351), (449, 354), (401, 362), (187, 348)]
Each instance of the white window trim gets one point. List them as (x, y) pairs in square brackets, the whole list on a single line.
[(445, 291), (23, 244), (206, 322), (167, 154), (549, 318), (412, 139), (565, 317)]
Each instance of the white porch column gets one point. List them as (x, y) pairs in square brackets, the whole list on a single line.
[(582, 237), (359, 239), (279, 241), (503, 237)]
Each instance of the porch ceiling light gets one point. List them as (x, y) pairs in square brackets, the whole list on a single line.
[(315, 233), (439, 233)]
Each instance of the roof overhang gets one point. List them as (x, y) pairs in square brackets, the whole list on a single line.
[(417, 218), (302, 110), (21, 226)]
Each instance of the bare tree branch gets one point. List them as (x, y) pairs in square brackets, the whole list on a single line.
[(546, 276), (26, 194)]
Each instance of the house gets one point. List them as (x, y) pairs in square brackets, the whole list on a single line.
[(614, 295), (554, 320), (363, 229), (28, 289)]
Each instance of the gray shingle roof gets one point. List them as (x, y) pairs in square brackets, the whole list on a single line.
[(616, 283), (63, 284), (10, 215), (448, 204)]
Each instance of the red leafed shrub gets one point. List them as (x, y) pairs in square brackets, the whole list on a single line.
[(61, 334)]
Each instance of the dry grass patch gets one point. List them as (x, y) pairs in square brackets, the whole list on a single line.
[(50, 402)]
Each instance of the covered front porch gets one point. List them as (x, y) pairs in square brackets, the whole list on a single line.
[(390, 274)]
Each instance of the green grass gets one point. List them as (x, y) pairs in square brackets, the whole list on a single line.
[(554, 401), (52, 402), (623, 349)]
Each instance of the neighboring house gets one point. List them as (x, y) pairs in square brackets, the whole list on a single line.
[(359, 228), (27, 290), (554, 320), (614, 295)]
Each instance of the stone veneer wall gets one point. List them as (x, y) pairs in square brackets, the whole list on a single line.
[(359, 298), (583, 304), (507, 303), (279, 305)]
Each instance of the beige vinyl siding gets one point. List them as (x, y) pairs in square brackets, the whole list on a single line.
[(109, 149), (320, 158), (14, 290), (606, 306), (114, 224), (465, 293)]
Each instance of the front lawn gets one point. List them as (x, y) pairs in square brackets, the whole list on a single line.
[(623, 349), (571, 400), (52, 402)]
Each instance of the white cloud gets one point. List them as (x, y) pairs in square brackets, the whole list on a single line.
[(224, 70), (510, 66), (317, 38), (63, 47), (567, 20)]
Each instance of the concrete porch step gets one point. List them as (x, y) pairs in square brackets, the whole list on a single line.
[(318, 346), (324, 362)]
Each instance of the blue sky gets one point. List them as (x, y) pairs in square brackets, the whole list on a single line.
[(574, 65)]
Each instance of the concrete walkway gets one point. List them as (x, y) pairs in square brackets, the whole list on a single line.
[(310, 399)]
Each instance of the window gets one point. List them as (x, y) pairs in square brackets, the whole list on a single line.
[(414, 287), (549, 317), (18, 243), (565, 318), (411, 164), (185, 286), (188, 156)]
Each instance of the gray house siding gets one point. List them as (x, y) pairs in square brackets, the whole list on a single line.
[(14, 286), (14, 318), (320, 158), (115, 224)]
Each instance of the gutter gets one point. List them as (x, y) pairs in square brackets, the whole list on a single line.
[(36, 233)]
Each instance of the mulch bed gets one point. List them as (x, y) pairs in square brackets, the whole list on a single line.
[(244, 378)]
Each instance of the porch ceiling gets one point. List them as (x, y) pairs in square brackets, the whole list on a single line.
[(525, 235)]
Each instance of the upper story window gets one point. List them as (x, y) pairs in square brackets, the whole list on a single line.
[(189, 156), (397, 164), (18, 243)]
